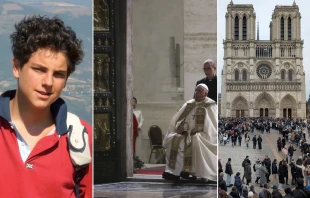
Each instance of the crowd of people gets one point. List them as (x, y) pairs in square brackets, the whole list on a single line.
[(265, 173)]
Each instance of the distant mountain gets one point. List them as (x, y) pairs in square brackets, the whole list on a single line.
[(86, 3)]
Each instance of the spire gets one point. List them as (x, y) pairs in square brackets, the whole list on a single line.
[(258, 30), (231, 2), (294, 4)]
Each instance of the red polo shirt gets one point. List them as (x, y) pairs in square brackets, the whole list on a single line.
[(48, 170)]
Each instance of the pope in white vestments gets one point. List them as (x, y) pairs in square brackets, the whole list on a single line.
[(191, 139)]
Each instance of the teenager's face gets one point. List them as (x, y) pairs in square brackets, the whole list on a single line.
[(41, 79)]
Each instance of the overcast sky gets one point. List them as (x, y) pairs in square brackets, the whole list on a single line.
[(263, 10)]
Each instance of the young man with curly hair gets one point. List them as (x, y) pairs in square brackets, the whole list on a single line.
[(33, 129)]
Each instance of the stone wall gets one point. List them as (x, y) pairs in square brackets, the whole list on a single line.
[(200, 40), (157, 49), (168, 36), (154, 114)]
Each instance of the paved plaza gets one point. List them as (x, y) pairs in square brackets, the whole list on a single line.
[(238, 153), (154, 186), (154, 190)]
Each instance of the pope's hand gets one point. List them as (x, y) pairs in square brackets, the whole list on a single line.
[(193, 132), (180, 129)]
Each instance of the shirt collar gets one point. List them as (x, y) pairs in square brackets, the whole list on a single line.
[(212, 79), (58, 108)]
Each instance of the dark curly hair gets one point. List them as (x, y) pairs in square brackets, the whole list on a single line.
[(41, 32)]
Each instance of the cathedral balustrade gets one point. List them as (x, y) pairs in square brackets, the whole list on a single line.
[(263, 86), (288, 51), (240, 49), (263, 49)]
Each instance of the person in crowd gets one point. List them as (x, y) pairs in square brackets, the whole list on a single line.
[(274, 170), (256, 168), (225, 138), (285, 170), (244, 162), (220, 167), (234, 192), (264, 191), (229, 172), (233, 140), (279, 144), (293, 171), (259, 141), (288, 193), (254, 140), (223, 194), (275, 192), (285, 153), (301, 191), (221, 138), (262, 174), (239, 139), (281, 175), (267, 162), (247, 139), (222, 182), (252, 190), (291, 150), (238, 183), (283, 142), (248, 172), (245, 191)]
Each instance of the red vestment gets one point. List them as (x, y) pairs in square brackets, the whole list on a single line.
[(135, 132)]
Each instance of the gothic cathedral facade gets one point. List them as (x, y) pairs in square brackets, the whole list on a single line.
[(263, 78)]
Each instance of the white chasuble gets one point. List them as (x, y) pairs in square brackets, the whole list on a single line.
[(196, 154)]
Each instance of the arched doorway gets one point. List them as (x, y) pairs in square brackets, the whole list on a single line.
[(240, 107), (264, 112), (264, 106), (288, 106)]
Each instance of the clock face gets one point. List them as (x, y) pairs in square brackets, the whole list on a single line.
[(263, 71)]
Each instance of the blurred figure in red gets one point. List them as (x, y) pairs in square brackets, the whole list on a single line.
[(135, 130)]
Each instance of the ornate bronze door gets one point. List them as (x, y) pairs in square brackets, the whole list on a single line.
[(106, 79)]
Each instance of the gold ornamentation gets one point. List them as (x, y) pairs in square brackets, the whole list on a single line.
[(106, 42), (99, 42), (101, 15), (107, 103), (174, 150), (99, 102), (102, 132), (101, 73)]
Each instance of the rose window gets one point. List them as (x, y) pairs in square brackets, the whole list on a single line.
[(263, 71)]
